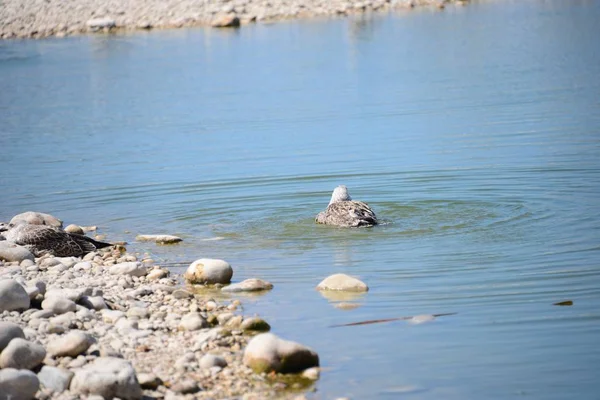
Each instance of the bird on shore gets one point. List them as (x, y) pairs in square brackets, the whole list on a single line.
[(345, 212), (44, 239)]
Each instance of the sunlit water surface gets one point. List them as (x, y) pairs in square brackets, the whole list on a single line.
[(473, 133)]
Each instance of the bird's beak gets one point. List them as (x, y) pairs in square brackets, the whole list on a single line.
[(3, 227)]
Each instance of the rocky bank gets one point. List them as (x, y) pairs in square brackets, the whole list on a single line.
[(115, 324), (43, 18)]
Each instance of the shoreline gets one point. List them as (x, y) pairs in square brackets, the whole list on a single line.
[(117, 324), (39, 19)]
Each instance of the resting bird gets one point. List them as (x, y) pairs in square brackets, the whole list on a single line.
[(44, 239), (343, 211)]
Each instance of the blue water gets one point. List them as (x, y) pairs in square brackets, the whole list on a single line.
[(474, 133)]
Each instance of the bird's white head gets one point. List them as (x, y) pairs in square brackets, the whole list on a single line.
[(340, 193)]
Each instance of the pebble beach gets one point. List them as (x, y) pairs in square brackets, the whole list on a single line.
[(45, 18), (116, 324)]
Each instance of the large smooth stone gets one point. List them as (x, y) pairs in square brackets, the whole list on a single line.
[(13, 252), (22, 354), (163, 239), (9, 331), (57, 379), (209, 271), (249, 285), (58, 305), (108, 377), (13, 296), (193, 322), (18, 384), (93, 302), (132, 268), (267, 352), (72, 344), (342, 282), (37, 218)]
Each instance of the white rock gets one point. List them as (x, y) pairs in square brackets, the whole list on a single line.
[(209, 271), (248, 285), (95, 24), (133, 268), (9, 331), (267, 352), (164, 239), (72, 294), (22, 354), (59, 305), (13, 296), (72, 344), (13, 252), (37, 218), (108, 377), (210, 360), (157, 274), (72, 228), (57, 379), (342, 282), (112, 316), (193, 322), (18, 384)]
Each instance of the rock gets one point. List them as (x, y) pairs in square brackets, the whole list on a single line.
[(248, 285), (182, 294), (311, 373), (108, 377), (22, 354), (210, 360), (255, 324), (93, 302), (132, 268), (74, 229), (163, 239), (12, 252), (342, 282), (138, 312), (58, 305), (185, 386), (57, 379), (32, 292), (18, 384), (37, 218), (9, 331), (149, 381), (112, 316), (193, 322), (267, 352), (41, 314), (209, 271), (157, 274), (13, 296), (71, 294), (72, 344), (226, 21), (96, 24)]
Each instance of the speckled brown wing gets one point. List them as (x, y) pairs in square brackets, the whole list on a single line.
[(46, 239), (347, 214)]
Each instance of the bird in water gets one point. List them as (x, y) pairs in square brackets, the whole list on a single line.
[(44, 239), (345, 212)]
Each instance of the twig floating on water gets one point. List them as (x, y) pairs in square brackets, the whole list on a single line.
[(377, 321)]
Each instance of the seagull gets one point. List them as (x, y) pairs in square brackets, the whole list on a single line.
[(45, 239), (345, 212)]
